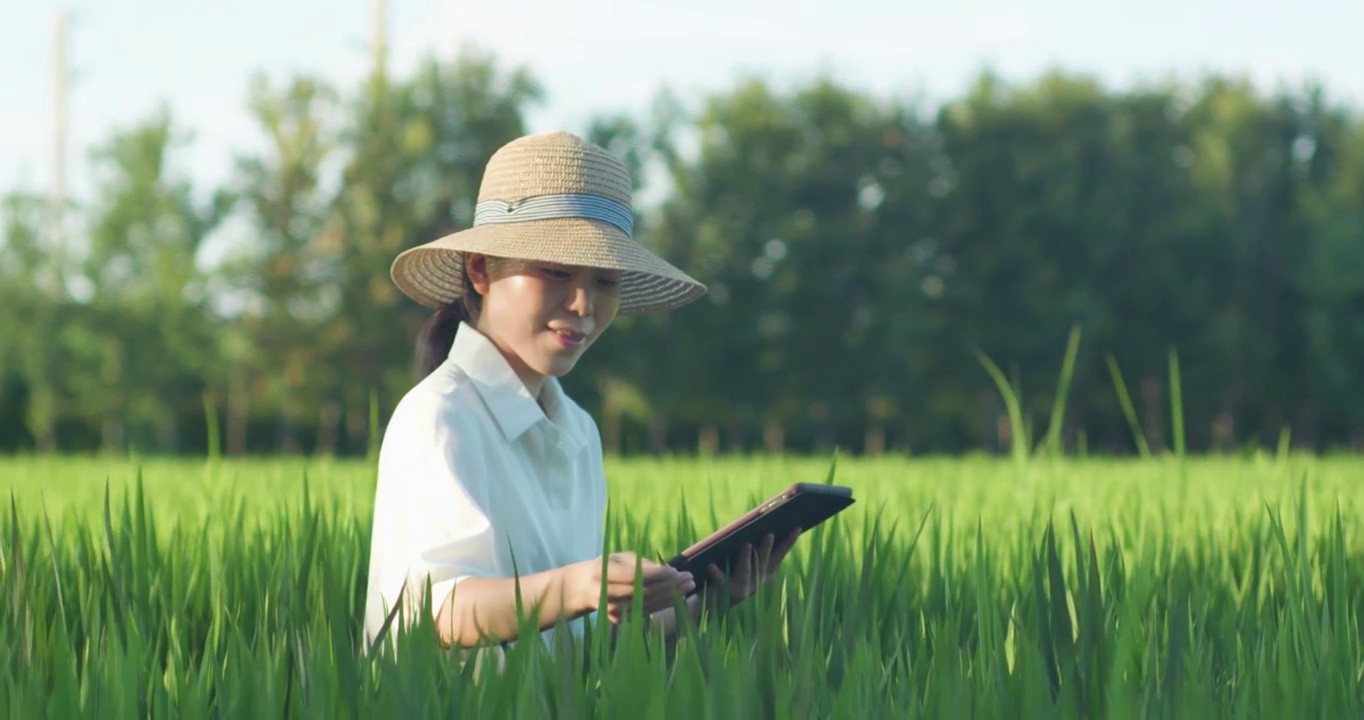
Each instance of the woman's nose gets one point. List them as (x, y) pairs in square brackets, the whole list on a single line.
[(580, 301)]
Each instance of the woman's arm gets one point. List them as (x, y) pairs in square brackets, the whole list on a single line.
[(480, 609)]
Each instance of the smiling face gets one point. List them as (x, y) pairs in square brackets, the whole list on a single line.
[(541, 315)]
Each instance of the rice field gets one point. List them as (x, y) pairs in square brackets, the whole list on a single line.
[(984, 588)]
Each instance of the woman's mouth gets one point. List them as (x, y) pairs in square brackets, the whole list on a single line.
[(569, 338)]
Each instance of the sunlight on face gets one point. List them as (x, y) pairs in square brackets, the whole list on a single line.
[(543, 315)]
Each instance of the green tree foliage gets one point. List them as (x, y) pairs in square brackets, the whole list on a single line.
[(862, 253)]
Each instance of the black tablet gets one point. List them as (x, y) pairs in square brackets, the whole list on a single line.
[(803, 505)]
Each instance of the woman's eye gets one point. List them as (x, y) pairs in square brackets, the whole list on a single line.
[(561, 274)]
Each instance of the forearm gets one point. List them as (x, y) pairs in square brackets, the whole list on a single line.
[(483, 609)]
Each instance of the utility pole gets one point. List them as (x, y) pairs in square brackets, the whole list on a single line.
[(57, 200), (379, 41)]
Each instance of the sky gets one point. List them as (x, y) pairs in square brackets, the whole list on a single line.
[(127, 56)]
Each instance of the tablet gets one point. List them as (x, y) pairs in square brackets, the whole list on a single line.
[(803, 505)]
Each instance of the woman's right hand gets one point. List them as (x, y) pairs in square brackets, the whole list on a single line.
[(662, 585)]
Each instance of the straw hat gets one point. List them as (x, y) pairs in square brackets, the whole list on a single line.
[(557, 198)]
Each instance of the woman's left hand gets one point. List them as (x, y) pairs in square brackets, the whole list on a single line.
[(752, 568)]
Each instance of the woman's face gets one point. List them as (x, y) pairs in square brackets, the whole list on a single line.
[(542, 315)]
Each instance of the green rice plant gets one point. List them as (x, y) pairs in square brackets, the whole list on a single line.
[(1101, 588), (1129, 412), (1018, 446), (1019, 425), (1285, 438), (1051, 443)]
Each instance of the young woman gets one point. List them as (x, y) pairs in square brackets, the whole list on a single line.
[(489, 475)]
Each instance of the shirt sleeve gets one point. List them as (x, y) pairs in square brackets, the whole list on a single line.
[(428, 524)]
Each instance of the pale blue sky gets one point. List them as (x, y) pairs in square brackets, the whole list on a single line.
[(126, 55)]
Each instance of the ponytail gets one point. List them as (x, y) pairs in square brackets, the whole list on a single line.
[(437, 336)]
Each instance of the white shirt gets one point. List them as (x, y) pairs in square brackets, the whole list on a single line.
[(472, 470)]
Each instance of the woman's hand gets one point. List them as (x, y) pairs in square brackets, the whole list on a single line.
[(752, 568), (662, 585)]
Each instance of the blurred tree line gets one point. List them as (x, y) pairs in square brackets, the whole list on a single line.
[(860, 252)]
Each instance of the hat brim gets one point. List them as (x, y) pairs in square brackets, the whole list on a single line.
[(429, 273)]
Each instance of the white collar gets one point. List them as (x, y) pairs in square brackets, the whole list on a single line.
[(511, 404)]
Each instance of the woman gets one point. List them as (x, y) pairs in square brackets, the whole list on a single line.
[(488, 473)]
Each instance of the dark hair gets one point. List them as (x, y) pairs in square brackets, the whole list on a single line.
[(438, 334)]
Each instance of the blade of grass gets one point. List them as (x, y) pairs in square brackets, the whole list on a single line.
[(1051, 442), (1019, 437), (1129, 412)]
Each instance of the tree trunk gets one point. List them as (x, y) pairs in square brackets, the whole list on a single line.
[(612, 414), (987, 414), (827, 438), (736, 437), (774, 437), (611, 430), (168, 420), (328, 425), (1004, 432), (42, 418), (111, 432), (1305, 427), (1074, 434), (1152, 411), (111, 372), (237, 416), (658, 435), (824, 435), (1223, 430), (357, 426), (167, 430), (875, 442), (709, 441), (288, 432)]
